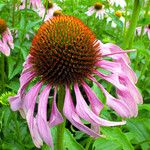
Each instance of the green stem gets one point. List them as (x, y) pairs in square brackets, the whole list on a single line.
[(126, 18), (61, 127), (13, 13), (146, 13), (3, 72), (133, 22), (88, 143)]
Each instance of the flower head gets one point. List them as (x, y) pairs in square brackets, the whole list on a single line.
[(66, 52), (98, 8), (57, 13), (118, 14), (6, 39)]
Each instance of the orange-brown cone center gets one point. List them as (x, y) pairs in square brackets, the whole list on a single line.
[(3, 26), (98, 6), (64, 50)]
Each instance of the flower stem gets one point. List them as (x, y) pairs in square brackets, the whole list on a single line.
[(61, 127), (125, 23), (145, 15), (88, 143), (3, 72), (133, 22)]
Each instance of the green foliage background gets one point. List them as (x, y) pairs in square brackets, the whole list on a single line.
[(14, 132)]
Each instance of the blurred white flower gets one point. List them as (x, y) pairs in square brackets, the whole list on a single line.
[(118, 14), (120, 3), (98, 8)]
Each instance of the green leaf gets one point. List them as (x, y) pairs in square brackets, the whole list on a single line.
[(70, 143), (105, 144), (116, 134)]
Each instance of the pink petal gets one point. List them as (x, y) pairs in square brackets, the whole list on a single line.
[(84, 111), (41, 118), (118, 67), (30, 101), (26, 77), (124, 91), (15, 102), (96, 104), (112, 48), (56, 117), (119, 106), (132, 88), (69, 112)]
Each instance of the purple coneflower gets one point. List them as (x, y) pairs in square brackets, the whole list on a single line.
[(51, 8), (146, 30), (65, 52), (98, 8), (6, 39), (120, 3)]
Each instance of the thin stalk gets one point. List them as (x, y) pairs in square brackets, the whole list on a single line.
[(46, 9), (126, 18), (145, 15), (3, 72), (133, 22), (13, 13), (88, 143), (61, 127)]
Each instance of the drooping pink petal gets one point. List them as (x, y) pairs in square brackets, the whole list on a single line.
[(15, 102), (4, 48), (71, 115), (119, 106), (84, 111), (112, 49), (7, 38), (56, 117), (26, 76), (41, 117), (132, 88), (29, 105), (124, 91), (96, 104), (118, 67)]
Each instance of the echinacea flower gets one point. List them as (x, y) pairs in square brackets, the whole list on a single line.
[(6, 39), (146, 30), (120, 3), (65, 52), (118, 14), (98, 8), (48, 10)]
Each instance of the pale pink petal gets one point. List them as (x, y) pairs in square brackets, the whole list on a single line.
[(70, 114), (41, 117), (96, 104), (112, 49), (118, 67), (124, 91), (132, 88), (118, 105), (30, 97), (26, 77), (84, 111), (56, 117), (29, 104)]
